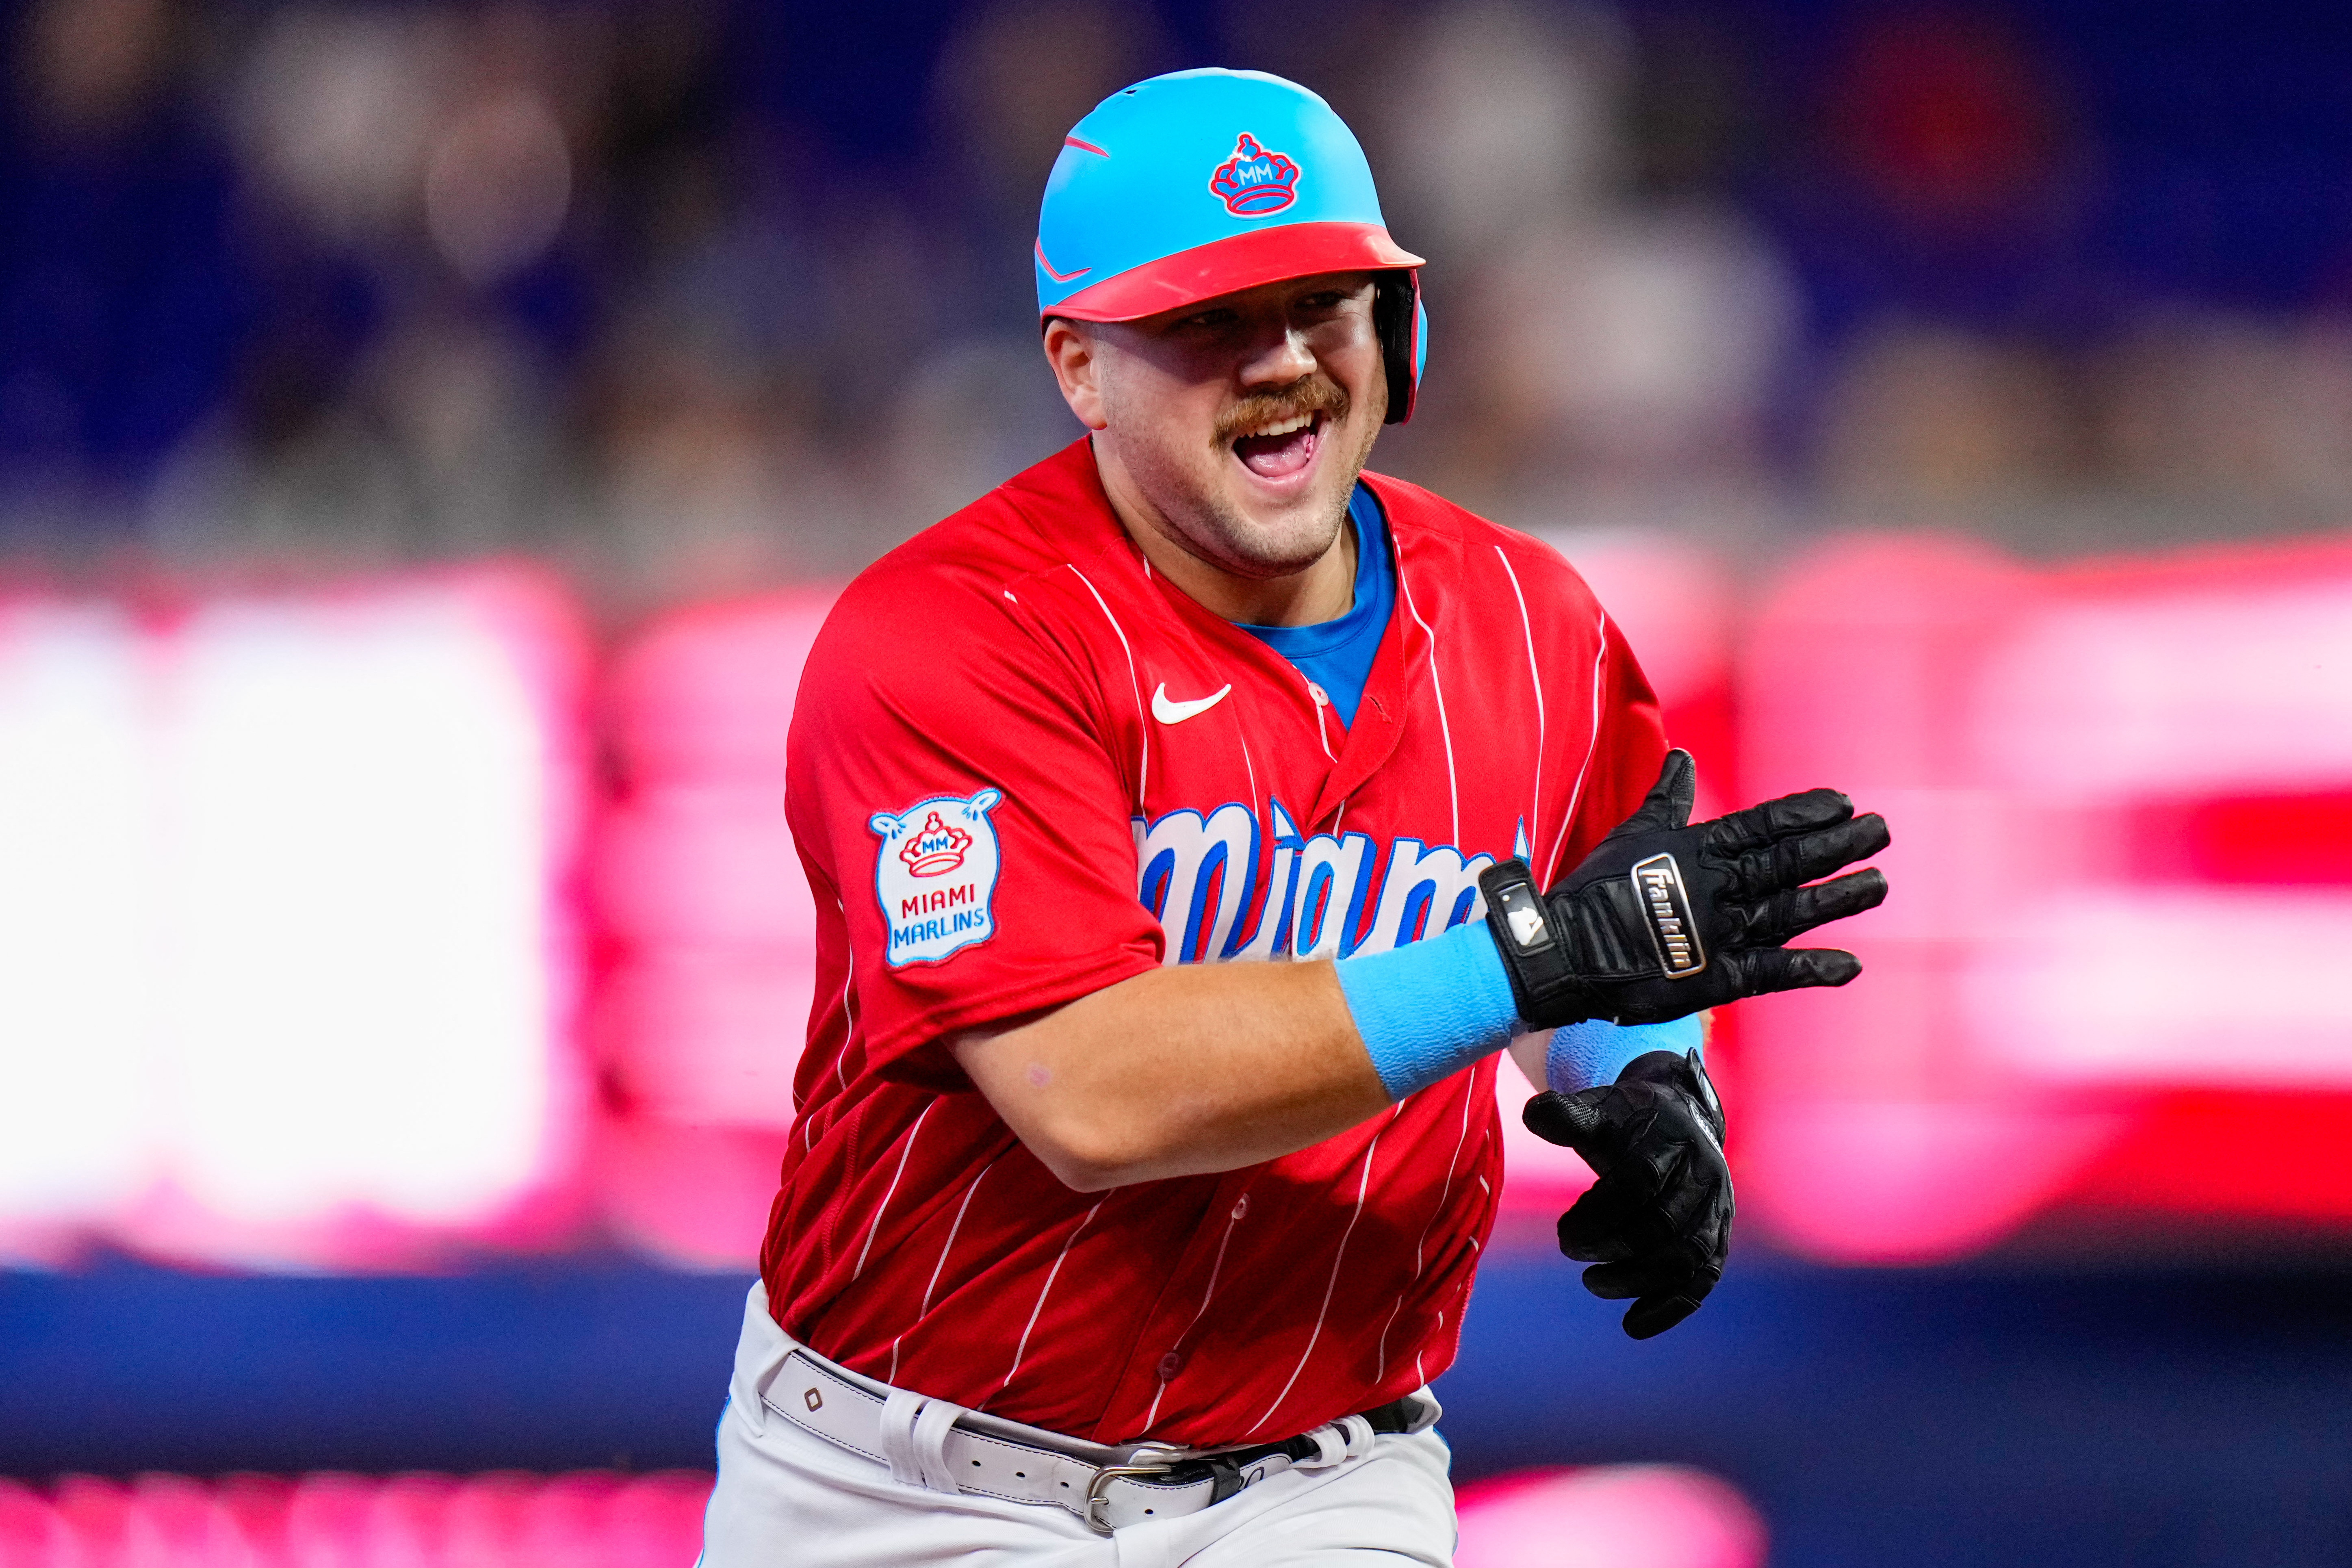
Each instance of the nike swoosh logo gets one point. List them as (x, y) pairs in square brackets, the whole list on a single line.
[(1172, 712)]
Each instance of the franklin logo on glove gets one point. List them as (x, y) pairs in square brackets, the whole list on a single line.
[(1671, 926)]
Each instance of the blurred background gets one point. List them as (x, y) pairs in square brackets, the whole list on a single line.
[(430, 436)]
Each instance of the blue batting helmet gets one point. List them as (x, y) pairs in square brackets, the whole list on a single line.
[(1199, 182)]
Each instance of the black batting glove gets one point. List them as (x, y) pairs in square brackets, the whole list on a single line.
[(1657, 1226), (1666, 917)]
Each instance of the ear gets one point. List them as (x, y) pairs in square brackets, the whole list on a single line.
[(985, 802), (882, 822), (1074, 353)]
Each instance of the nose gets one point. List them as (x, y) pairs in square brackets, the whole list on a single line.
[(1279, 359)]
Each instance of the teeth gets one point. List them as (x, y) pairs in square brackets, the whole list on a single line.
[(1285, 428)]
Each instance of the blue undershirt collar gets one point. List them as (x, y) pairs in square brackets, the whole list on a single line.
[(1337, 655)]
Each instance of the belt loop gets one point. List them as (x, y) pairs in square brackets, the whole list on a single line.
[(898, 1412), (1336, 1442), (747, 1388), (747, 1393), (930, 1444)]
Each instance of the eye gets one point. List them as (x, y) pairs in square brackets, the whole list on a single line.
[(1208, 321)]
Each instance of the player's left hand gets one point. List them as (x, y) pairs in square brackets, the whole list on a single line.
[(1667, 916), (1657, 1226)]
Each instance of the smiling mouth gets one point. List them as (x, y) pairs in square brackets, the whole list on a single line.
[(1281, 450)]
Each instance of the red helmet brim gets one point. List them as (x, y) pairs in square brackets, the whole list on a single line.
[(1242, 261)]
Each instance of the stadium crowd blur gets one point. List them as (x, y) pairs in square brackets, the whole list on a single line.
[(685, 298)]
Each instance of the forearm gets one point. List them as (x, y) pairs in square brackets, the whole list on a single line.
[(1180, 1071), (1206, 1068)]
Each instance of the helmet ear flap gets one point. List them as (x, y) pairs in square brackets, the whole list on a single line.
[(1402, 327)]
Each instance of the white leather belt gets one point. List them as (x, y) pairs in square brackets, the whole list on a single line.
[(932, 1443)]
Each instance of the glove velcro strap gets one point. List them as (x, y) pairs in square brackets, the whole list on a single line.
[(1535, 950)]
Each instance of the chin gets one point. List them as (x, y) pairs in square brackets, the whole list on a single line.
[(1265, 542), (1298, 482)]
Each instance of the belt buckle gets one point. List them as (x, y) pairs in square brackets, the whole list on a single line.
[(1099, 1489)]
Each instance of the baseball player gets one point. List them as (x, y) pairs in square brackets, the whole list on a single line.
[(1192, 821)]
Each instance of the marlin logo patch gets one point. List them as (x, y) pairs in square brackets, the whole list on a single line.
[(936, 876)]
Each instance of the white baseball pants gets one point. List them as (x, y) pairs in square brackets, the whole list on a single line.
[(789, 1498)]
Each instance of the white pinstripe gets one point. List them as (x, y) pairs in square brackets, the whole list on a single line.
[(1453, 784), (936, 1269), (1135, 685), (1215, 1268), (1535, 679), (849, 1033), (1601, 629), (1243, 730), (848, 1017), (1051, 1274), (906, 1149), (1363, 1185), (1469, 1093), (848, 1025)]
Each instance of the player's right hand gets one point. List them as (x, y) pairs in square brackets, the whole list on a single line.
[(1657, 1226), (1666, 916)]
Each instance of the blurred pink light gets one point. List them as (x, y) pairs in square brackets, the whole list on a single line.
[(585, 1519), (33, 1533), (307, 965), (80, 1127), (2054, 973), (1615, 1516), (703, 1007), (1611, 1517), (1674, 604)]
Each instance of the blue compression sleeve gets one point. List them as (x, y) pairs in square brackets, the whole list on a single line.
[(1588, 1054), (1430, 1008)]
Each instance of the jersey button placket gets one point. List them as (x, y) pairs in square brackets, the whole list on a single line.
[(1173, 1361), (1322, 715)]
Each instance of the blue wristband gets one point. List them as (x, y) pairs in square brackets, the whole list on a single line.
[(1588, 1054), (1431, 1008)]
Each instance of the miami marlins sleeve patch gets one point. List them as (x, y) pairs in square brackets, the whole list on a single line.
[(936, 876)]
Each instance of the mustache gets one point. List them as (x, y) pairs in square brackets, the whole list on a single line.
[(1316, 394)]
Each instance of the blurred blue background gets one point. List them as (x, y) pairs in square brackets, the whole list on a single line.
[(684, 303)]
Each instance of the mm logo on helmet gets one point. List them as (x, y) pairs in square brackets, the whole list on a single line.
[(1255, 182)]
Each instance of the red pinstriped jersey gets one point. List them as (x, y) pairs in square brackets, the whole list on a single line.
[(1022, 767)]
